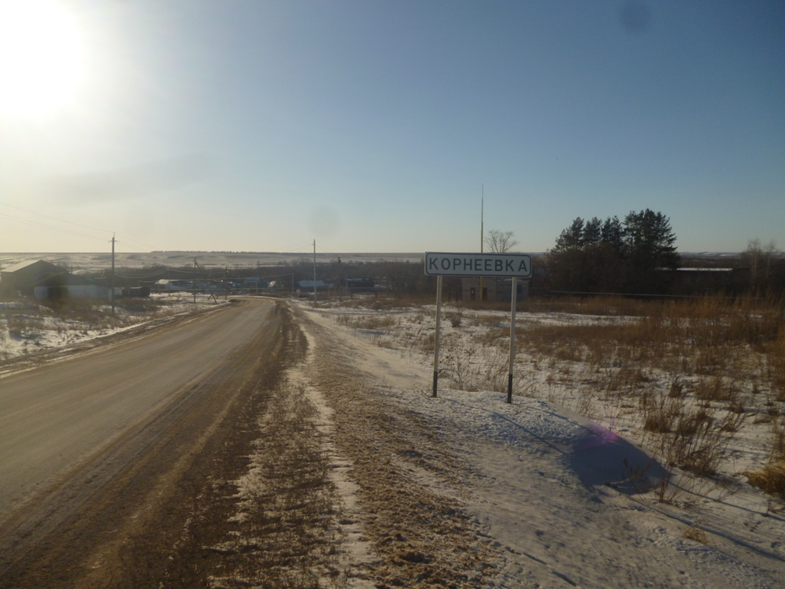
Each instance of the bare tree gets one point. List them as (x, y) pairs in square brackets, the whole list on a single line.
[(500, 242), (759, 257)]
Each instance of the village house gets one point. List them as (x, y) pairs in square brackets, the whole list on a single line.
[(20, 279)]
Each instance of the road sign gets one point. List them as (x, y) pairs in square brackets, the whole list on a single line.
[(449, 264), (513, 266)]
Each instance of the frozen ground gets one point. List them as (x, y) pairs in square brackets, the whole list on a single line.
[(565, 500), (569, 501), (29, 330)]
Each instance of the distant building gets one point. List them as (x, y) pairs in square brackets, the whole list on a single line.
[(67, 285), (307, 285), (255, 282), (21, 278), (494, 290), (360, 284), (172, 285)]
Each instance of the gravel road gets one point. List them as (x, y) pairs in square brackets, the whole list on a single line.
[(276, 464)]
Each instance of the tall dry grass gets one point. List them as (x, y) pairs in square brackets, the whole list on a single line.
[(694, 372), (771, 478), (712, 337), (724, 360)]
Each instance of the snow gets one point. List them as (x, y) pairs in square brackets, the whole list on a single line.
[(568, 501), (29, 330)]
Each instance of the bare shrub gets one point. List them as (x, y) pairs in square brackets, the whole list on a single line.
[(485, 320), (494, 336), (695, 532), (699, 440), (455, 319), (370, 322), (771, 478), (427, 342), (589, 306), (462, 367), (495, 370), (710, 390), (735, 406), (660, 413), (776, 363), (676, 389)]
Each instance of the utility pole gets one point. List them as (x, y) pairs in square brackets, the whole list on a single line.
[(314, 272), (111, 280), (196, 274)]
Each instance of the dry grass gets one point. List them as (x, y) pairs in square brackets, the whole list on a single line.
[(771, 478), (603, 306), (695, 532), (383, 302), (707, 337), (370, 322), (717, 355), (690, 371)]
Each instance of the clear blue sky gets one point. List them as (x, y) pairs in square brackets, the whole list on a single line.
[(374, 125)]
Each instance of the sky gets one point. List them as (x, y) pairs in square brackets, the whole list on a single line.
[(386, 126)]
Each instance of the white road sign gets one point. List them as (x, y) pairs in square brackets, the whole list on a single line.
[(449, 264)]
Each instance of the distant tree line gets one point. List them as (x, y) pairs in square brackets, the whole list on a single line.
[(614, 255), (632, 255)]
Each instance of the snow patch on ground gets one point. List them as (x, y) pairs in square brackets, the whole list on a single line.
[(569, 501), (356, 550), (28, 329)]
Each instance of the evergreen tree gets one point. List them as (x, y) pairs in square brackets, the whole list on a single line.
[(614, 256), (649, 241), (592, 232), (571, 238), (613, 233)]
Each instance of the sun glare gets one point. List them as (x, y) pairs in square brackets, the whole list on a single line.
[(40, 57)]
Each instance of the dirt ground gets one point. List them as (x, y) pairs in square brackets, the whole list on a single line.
[(281, 469)]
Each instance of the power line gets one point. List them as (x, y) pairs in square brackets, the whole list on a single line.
[(36, 224), (126, 238), (301, 247), (53, 218)]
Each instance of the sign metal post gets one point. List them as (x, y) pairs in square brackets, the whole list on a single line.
[(438, 329), (512, 266), (514, 298)]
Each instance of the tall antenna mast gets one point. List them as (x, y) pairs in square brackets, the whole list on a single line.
[(482, 237)]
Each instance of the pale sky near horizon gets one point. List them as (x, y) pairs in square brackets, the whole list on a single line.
[(375, 126)]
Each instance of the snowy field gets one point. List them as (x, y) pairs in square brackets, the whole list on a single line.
[(574, 480)]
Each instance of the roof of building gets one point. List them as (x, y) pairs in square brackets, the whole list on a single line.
[(23, 265)]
